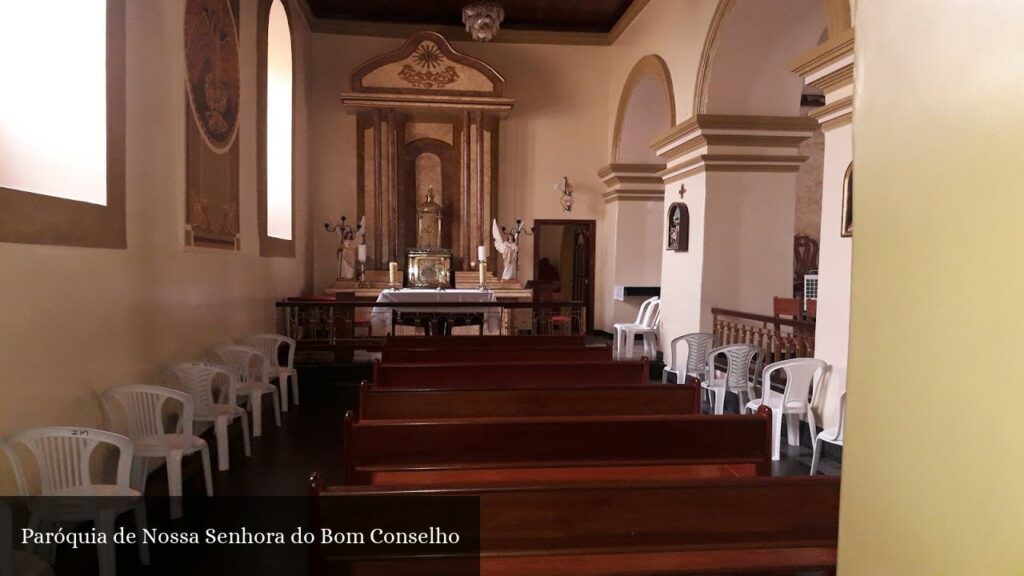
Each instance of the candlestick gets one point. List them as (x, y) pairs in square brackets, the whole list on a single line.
[(361, 252), (482, 269), (481, 253), (392, 274)]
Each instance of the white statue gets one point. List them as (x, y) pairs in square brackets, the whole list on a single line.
[(348, 246), (507, 246)]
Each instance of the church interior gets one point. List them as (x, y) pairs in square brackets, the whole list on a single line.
[(590, 264)]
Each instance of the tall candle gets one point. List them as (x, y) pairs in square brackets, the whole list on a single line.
[(482, 269), (392, 272), (361, 252), (481, 253)]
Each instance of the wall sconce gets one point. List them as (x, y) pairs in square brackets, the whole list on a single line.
[(566, 190)]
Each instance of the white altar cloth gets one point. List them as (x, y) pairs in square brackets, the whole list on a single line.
[(381, 320)]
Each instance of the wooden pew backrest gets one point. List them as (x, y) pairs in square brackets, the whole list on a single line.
[(653, 399), (526, 374), (544, 354), (378, 446), (751, 524)]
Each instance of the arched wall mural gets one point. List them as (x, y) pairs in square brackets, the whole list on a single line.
[(646, 110)]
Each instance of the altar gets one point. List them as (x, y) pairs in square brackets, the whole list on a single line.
[(439, 313)]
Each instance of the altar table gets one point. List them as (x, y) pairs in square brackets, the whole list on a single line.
[(385, 318)]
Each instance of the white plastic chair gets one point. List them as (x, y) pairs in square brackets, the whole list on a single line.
[(738, 357), (620, 327), (270, 344), (647, 329), (697, 345), (139, 409), (196, 379), (803, 379), (63, 457), (252, 371), (830, 435), (16, 562)]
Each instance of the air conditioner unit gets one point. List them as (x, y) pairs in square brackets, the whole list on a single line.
[(810, 288)]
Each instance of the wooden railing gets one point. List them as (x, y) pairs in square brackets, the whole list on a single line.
[(780, 338), (329, 330)]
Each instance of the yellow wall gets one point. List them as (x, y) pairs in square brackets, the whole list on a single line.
[(75, 321), (932, 478)]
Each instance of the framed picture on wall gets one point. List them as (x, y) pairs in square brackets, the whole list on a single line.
[(847, 223)]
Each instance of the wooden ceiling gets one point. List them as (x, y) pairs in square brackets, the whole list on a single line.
[(574, 16)]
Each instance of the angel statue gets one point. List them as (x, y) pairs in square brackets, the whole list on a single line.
[(347, 247), (507, 244)]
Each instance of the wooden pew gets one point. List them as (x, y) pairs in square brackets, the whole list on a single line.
[(469, 354), (550, 449), (632, 400), (525, 374), (780, 525), (475, 341)]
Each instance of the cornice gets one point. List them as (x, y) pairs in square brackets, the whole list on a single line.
[(632, 169), (612, 196), (824, 54), (362, 100), (835, 113), (733, 143)]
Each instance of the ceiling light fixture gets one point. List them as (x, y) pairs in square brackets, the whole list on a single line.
[(482, 20)]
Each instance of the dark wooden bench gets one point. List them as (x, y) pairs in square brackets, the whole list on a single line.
[(554, 449), (469, 354), (525, 374), (475, 341), (783, 525), (628, 400)]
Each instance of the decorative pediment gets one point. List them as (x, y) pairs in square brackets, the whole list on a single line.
[(427, 64)]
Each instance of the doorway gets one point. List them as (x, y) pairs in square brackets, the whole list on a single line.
[(563, 262)]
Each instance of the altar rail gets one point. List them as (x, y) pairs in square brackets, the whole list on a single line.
[(780, 338), (329, 331)]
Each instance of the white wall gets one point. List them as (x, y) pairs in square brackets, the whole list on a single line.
[(832, 333), (76, 321)]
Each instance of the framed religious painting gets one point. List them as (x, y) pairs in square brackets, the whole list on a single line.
[(846, 229)]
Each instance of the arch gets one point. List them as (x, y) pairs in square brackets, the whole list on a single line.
[(646, 109), (745, 65)]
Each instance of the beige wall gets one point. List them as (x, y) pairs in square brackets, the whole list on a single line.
[(682, 273), (559, 127), (672, 29), (77, 321), (748, 255), (933, 460)]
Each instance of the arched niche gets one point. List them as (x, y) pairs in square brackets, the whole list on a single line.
[(646, 110), (746, 64), (426, 163)]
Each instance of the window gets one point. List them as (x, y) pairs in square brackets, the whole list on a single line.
[(62, 152), (277, 197), (53, 108)]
